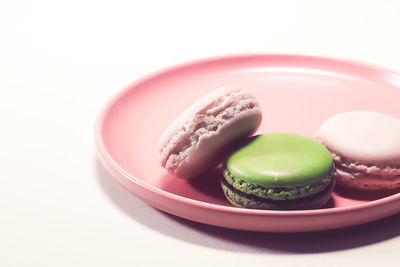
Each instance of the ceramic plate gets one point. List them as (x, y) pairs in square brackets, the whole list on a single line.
[(296, 93)]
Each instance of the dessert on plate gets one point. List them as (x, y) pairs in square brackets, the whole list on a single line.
[(278, 171), (197, 139), (365, 147)]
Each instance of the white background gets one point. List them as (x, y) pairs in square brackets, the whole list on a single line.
[(61, 61)]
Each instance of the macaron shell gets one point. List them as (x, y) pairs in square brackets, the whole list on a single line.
[(190, 112), (211, 148), (195, 141), (363, 136), (281, 159)]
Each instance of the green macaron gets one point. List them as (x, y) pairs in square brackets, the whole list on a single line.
[(278, 171)]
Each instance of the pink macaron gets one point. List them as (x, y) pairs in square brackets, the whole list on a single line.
[(196, 140), (365, 147)]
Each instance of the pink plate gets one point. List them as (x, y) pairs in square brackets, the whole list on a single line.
[(296, 93)]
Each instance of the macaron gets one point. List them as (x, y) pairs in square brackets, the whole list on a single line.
[(365, 147), (278, 171), (195, 142)]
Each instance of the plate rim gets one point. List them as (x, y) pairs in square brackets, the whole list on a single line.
[(111, 165)]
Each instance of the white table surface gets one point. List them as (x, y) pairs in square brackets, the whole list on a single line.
[(61, 61)]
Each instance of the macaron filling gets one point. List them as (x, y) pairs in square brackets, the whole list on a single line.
[(277, 193), (243, 200), (205, 123)]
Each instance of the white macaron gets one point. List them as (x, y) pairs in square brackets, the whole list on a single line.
[(365, 146)]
